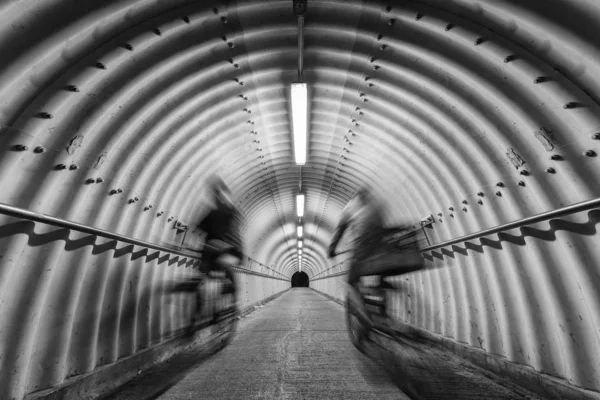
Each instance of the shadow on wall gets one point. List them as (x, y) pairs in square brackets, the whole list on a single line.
[(116, 313), (300, 279), (587, 228), (35, 240)]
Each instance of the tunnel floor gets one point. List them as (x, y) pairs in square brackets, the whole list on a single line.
[(294, 347)]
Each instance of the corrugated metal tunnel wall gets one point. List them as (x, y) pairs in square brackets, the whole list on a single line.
[(475, 112)]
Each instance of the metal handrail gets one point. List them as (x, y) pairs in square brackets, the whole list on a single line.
[(267, 267), (256, 273), (574, 208), (63, 223), (318, 276), (332, 275), (335, 265)]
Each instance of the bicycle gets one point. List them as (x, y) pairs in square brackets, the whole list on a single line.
[(367, 305), (216, 302)]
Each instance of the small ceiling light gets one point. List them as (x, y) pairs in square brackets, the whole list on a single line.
[(299, 120), (300, 252), (300, 231), (299, 244), (300, 205)]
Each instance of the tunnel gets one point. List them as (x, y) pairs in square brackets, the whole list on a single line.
[(477, 122), (300, 279)]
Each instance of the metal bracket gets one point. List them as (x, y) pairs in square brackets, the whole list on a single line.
[(299, 8), (180, 226), (428, 220)]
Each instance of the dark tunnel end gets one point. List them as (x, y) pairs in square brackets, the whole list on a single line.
[(300, 279)]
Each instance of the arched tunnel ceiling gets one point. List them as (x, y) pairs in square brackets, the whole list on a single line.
[(429, 102)]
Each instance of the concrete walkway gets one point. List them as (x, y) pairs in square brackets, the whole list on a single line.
[(295, 347)]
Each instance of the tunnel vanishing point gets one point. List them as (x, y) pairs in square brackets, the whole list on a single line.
[(474, 117)]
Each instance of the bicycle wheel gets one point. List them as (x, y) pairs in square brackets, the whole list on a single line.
[(226, 314), (356, 329)]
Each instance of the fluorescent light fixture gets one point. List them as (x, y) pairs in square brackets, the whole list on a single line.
[(300, 252), (300, 205), (300, 244), (299, 231), (299, 120)]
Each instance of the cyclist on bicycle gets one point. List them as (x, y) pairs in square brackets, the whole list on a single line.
[(375, 253), (363, 219), (222, 242)]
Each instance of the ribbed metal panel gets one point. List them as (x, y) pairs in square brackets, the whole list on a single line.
[(430, 102), (71, 304), (528, 295)]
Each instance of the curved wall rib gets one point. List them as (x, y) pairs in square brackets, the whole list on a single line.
[(432, 103)]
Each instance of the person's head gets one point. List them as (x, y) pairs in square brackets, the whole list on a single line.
[(220, 191), (363, 195)]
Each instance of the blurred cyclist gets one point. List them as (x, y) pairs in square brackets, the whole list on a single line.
[(376, 253), (222, 248), (363, 219), (223, 243)]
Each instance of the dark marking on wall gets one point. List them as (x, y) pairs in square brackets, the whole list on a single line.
[(100, 161), (546, 138), (75, 144), (515, 158)]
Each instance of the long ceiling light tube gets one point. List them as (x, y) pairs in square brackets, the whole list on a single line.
[(299, 120), (299, 231), (300, 205)]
